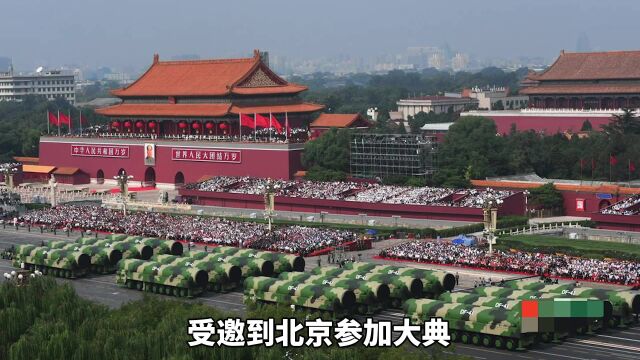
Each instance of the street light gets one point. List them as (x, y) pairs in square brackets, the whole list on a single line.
[(9, 170), (123, 183), (270, 188), (490, 204)]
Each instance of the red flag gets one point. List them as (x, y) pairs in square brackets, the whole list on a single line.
[(246, 121), (52, 118), (276, 124), (612, 160), (64, 119), (262, 121), (632, 166)]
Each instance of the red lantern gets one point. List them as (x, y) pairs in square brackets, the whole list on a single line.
[(115, 124), (182, 125), (127, 124), (152, 125), (223, 126), (139, 124), (195, 125), (209, 125)]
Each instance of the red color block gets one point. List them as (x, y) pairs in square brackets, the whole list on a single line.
[(529, 308)]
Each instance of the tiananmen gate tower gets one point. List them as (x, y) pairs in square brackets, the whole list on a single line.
[(184, 120)]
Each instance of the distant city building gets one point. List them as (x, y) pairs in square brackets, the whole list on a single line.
[(50, 84), (120, 77), (435, 104), (436, 130), (437, 60), (460, 62), (595, 80), (490, 98)]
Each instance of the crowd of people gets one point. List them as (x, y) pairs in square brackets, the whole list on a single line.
[(354, 191), (303, 240), (440, 252), (208, 230), (624, 207)]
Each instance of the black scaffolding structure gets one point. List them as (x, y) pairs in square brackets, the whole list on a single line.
[(383, 155)]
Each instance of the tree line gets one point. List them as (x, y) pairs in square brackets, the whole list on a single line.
[(46, 320), (472, 149), (22, 124)]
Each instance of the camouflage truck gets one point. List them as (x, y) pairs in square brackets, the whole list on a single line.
[(262, 289), (551, 325), (129, 248), (103, 259), (281, 262), (222, 276), (249, 266), (594, 324), (163, 246), (625, 303), (56, 262), (401, 288), (477, 325), (182, 281), (371, 296), (434, 282)]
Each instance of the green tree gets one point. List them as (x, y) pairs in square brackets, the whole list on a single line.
[(471, 145), (329, 152), (623, 124), (586, 126), (547, 197)]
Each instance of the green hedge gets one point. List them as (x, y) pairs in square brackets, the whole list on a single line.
[(582, 248)]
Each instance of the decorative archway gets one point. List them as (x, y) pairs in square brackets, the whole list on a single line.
[(603, 204), (100, 177), (150, 177), (178, 180)]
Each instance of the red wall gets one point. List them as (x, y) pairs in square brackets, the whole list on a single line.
[(591, 202), (548, 124), (277, 161), (514, 205), (617, 222)]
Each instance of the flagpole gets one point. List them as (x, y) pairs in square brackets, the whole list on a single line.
[(286, 126), (80, 111), (255, 126), (269, 126), (58, 122), (48, 121), (70, 121), (240, 124)]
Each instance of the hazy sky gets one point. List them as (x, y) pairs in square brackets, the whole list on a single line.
[(125, 34)]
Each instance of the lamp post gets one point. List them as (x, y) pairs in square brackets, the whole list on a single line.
[(269, 189), (9, 172), (123, 184), (526, 194), (490, 205)]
